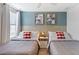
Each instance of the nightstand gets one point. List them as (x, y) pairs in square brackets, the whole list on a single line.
[(43, 42)]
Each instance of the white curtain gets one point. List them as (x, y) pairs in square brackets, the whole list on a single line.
[(5, 24), (0, 20), (18, 21)]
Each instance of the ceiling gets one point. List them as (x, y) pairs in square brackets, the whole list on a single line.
[(58, 7)]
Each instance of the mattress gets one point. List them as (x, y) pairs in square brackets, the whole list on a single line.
[(64, 47), (23, 47)]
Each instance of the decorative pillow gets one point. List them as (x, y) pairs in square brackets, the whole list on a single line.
[(26, 35), (60, 35)]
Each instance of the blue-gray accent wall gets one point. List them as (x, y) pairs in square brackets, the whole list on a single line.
[(61, 18), (28, 18)]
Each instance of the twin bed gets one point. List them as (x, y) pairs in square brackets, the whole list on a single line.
[(66, 46), (23, 47), (19, 46)]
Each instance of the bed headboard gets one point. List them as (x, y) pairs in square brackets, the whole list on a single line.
[(44, 28)]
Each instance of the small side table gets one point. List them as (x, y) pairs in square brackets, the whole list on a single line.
[(43, 42)]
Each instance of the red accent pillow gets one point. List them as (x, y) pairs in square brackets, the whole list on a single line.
[(60, 35), (27, 35)]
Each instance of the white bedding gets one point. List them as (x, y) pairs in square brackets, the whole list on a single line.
[(19, 45), (64, 47), (26, 47)]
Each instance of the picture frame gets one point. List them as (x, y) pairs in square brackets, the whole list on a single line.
[(51, 18), (39, 19)]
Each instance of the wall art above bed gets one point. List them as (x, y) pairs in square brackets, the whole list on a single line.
[(39, 19), (50, 18)]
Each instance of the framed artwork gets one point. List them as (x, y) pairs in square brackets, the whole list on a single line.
[(51, 19), (39, 19)]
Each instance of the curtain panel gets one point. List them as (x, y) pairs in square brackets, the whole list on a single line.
[(18, 24)]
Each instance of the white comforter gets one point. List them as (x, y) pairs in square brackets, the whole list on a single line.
[(27, 47)]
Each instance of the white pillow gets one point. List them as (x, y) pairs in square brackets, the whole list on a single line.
[(52, 36), (20, 35)]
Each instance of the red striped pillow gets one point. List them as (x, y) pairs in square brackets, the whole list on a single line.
[(27, 35)]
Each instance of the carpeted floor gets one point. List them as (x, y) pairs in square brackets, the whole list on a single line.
[(43, 51)]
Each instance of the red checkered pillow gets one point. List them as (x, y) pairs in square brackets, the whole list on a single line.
[(27, 35), (60, 35)]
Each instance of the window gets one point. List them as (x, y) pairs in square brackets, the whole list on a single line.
[(13, 23)]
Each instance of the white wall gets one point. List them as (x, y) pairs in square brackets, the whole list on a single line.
[(73, 22)]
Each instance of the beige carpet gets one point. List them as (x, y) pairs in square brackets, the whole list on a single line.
[(43, 51)]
